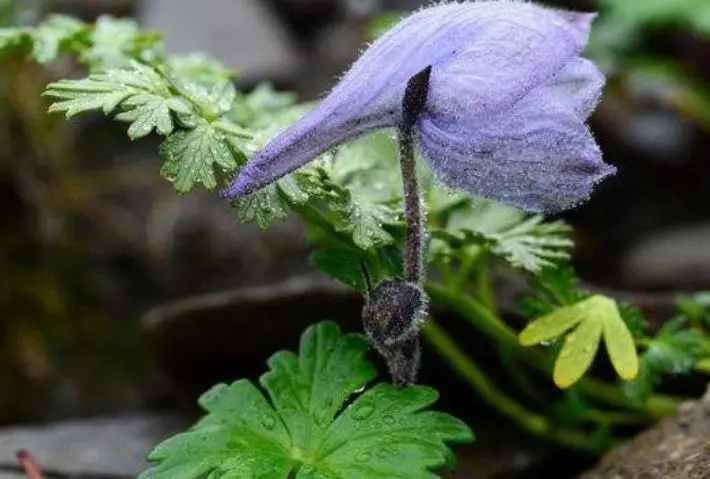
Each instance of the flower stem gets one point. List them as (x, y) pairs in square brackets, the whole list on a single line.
[(414, 99)]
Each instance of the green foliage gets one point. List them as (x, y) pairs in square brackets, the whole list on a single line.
[(696, 309), (109, 43), (674, 351), (342, 264), (555, 286), (351, 197), (210, 130), (302, 430), (524, 242), (558, 285), (593, 318), (145, 98)]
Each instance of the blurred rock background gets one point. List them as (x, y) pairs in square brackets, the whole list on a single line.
[(91, 238)]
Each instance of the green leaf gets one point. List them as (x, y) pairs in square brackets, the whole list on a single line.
[(554, 286), (191, 156), (148, 112), (675, 349), (271, 203), (342, 264), (696, 308), (551, 326), (369, 168), (578, 351), (620, 343), (115, 41), (199, 68), (364, 222), (51, 34), (14, 39), (265, 207), (524, 242), (302, 430), (142, 94), (593, 317)]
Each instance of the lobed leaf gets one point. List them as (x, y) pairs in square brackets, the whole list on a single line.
[(592, 318), (191, 156), (302, 430)]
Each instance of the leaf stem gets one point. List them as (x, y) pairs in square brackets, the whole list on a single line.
[(533, 423), (491, 325)]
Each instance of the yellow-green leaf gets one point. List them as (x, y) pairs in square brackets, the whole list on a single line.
[(578, 351), (553, 325), (620, 344)]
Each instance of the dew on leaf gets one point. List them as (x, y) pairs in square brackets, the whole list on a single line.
[(268, 421), (389, 420), (362, 411), (364, 456)]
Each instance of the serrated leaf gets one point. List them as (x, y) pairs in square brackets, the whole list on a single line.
[(48, 37), (115, 41), (301, 433), (270, 204), (143, 96), (212, 101), (524, 242), (620, 344), (577, 353), (365, 223), (200, 68), (191, 157), (150, 112), (342, 264), (264, 207)]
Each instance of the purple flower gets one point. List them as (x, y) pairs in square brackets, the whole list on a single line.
[(505, 115)]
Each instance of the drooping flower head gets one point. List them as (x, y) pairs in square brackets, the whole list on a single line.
[(505, 114)]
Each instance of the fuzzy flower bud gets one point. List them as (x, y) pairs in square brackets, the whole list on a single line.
[(505, 113)]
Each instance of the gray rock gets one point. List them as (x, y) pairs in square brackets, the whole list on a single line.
[(677, 448), (116, 446), (678, 258), (242, 34)]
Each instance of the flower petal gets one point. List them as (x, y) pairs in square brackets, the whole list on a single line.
[(486, 58), (320, 130), (540, 158), (579, 84), (517, 48)]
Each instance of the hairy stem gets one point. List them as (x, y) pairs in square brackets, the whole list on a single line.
[(412, 105), (413, 252)]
